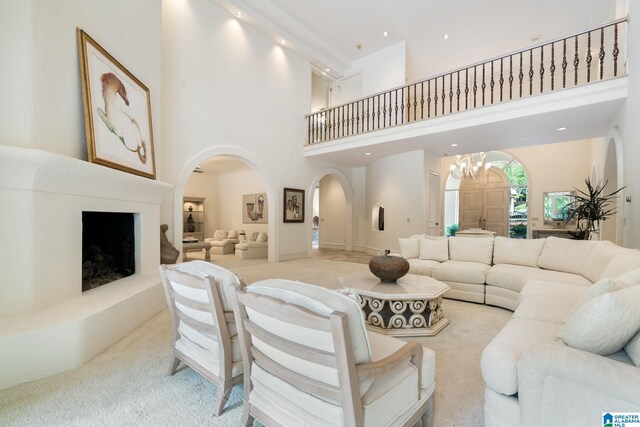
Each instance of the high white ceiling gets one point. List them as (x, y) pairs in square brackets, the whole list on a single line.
[(476, 29)]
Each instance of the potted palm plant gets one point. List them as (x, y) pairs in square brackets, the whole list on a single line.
[(589, 208)]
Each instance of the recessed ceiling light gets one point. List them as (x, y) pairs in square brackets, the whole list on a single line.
[(561, 129), (323, 73), (446, 36), (283, 42), (385, 34), (454, 145), (367, 154), (327, 69), (535, 37), (239, 14)]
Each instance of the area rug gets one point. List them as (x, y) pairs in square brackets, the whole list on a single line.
[(127, 385)]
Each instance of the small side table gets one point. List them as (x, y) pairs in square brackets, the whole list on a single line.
[(196, 246)]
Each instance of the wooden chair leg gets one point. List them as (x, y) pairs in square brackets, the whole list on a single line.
[(427, 417), (174, 366), (247, 419), (223, 397)]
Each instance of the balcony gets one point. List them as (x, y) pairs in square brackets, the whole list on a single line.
[(515, 95)]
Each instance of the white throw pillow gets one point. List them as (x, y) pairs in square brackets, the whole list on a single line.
[(262, 237), (633, 349), (409, 248), (434, 248), (630, 278), (233, 234), (602, 325)]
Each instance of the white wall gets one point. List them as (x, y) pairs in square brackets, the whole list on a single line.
[(231, 187), (381, 70), (398, 183), (332, 214), (41, 102), (231, 90)]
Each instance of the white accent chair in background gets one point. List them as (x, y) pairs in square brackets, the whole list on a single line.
[(309, 361), (223, 242), (205, 338), (255, 247)]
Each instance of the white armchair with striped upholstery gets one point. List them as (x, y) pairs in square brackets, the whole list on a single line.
[(309, 361), (199, 295)]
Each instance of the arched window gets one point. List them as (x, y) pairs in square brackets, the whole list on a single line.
[(519, 200)]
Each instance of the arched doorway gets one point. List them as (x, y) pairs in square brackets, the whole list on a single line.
[(272, 201), (518, 181), (335, 211)]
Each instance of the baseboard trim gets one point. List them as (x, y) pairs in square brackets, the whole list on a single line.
[(291, 257), (340, 246)]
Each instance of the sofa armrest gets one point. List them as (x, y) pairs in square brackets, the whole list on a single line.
[(573, 387)]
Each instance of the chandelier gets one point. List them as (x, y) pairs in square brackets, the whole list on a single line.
[(468, 166)]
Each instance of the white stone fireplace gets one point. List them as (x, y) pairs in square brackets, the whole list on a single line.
[(47, 324)]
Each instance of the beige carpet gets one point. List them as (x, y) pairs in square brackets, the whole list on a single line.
[(127, 384)]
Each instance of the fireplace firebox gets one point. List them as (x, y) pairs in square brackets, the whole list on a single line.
[(108, 247)]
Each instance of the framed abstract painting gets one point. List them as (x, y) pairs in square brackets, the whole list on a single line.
[(117, 112)]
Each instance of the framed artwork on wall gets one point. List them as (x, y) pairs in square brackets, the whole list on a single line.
[(117, 112), (293, 205), (254, 209)]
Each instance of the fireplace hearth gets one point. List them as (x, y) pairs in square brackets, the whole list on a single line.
[(108, 248)]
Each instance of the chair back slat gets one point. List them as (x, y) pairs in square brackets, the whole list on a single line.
[(204, 328), (185, 279), (304, 383), (191, 303), (310, 354), (288, 313)]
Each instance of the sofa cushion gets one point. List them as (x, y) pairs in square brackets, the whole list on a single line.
[(624, 262), (630, 278), (409, 248), (434, 248), (499, 361), (565, 255), (599, 258), (473, 249), (552, 290), (254, 236), (514, 277), (517, 251), (461, 271), (262, 237), (604, 324), (544, 308), (233, 234), (422, 267)]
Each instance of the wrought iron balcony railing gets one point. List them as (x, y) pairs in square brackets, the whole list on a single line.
[(571, 61)]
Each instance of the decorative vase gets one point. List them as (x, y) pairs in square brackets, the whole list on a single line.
[(190, 208), (388, 268)]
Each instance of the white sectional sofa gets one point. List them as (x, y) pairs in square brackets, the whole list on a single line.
[(494, 270), (569, 354), (571, 351)]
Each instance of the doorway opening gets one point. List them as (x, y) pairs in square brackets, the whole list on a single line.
[(518, 203)]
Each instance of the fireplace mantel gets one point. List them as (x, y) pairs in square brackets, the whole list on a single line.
[(47, 325)]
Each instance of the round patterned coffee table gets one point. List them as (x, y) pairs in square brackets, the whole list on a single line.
[(410, 307)]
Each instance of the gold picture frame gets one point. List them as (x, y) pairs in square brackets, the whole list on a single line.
[(117, 112)]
